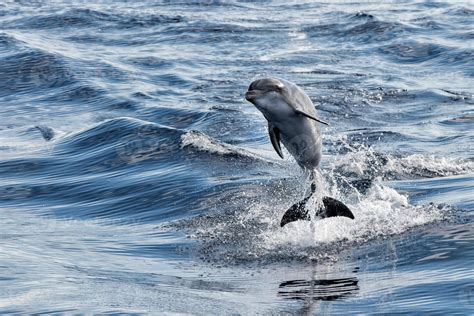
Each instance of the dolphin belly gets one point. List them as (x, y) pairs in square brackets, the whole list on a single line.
[(303, 141)]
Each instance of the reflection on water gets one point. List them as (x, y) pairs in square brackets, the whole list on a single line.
[(319, 290)]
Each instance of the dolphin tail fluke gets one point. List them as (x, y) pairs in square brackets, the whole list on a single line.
[(330, 208), (296, 212)]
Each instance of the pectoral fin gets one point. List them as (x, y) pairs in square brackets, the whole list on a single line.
[(274, 133), (311, 117)]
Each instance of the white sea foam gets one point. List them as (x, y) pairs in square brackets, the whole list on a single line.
[(440, 166), (365, 161)]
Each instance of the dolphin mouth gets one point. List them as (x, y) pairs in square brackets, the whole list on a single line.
[(251, 95)]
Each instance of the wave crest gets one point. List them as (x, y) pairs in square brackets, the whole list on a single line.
[(204, 143)]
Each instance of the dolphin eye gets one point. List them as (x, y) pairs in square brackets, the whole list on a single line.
[(273, 88)]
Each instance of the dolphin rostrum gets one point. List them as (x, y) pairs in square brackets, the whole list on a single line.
[(292, 120)]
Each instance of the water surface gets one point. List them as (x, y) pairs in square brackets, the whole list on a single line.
[(135, 178)]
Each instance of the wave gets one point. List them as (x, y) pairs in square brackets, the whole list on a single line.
[(361, 27), (375, 31), (126, 138), (111, 144), (30, 71), (461, 11), (91, 18), (412, 51), (87, 174), (8, 43), (204, 143), (418, 52)]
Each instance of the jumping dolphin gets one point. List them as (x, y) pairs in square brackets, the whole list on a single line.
[(292, 120)]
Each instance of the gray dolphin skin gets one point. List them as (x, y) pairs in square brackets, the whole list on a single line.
[(292, 120)]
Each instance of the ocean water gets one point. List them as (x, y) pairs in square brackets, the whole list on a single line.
[(135, 178)]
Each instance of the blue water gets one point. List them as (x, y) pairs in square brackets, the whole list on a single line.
[(135, 178)]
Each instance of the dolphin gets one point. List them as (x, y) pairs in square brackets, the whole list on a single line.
[(292, 120)]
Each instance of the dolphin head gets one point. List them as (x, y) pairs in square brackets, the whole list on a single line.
[(260, 87), (268, 96), (278, 99)]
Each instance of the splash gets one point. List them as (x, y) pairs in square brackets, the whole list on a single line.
[(380, 213), (249, 231)]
